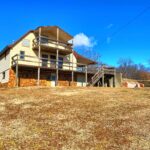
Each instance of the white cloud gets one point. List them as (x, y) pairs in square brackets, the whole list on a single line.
[(82, 40), (110, 26)]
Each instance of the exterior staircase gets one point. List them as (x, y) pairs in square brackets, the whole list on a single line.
[(98, 75)]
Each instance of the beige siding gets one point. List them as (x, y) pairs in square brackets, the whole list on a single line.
[(4, 67), (29, 51), (70, 58)]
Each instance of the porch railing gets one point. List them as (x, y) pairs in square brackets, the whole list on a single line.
[(51, 43), (46, 63)]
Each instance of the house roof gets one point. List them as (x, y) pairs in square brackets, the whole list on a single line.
[(46, 30), (83, 60), (63, 36), (8, 47)]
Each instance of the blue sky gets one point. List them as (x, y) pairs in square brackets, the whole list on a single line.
[(96, 19)]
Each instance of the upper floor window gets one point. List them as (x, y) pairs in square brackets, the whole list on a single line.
[(22, 55), (26, 43), (43, 39), (4, 75)]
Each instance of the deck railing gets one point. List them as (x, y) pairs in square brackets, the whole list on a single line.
[(44, 41), (101, 72), (46, 63)]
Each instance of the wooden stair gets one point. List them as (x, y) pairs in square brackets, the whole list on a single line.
[(98, 75)]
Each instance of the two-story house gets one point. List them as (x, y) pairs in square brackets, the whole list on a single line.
[(44, 57)]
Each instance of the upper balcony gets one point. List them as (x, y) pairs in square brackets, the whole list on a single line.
[(50, 38), (51, 45)]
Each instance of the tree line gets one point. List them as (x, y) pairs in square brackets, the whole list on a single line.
[(131, 70)]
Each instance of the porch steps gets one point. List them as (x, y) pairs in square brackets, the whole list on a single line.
[(98, 75), (103, 70)]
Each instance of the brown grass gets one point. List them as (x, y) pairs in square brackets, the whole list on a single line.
[(74, 119)]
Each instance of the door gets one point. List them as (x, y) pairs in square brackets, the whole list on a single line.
[(81, 80), (53, 80), (53, 61), (60, 62), (44, 60)]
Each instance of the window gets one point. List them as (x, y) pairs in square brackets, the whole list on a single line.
[(22, 55), (4, 75), (60, 62), (26, 43), (44, 40), (53, 61), (44, 60)]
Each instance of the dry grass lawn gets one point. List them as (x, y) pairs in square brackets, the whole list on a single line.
[(74, 119)]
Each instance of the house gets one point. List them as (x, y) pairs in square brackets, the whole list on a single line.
[(45, 57)]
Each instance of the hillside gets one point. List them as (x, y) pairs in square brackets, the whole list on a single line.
[(74, 118)]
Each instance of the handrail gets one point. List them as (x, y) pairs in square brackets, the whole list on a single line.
[(51, 41), (43, 37), (97, 75), (40, 62), (101, 72), (41, 58)]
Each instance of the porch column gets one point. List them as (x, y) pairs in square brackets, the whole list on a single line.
[(72, 69), (57, 59), (57, 67), (39, 56), (86, 75), (114, 78), (103, 78), (17, 72)]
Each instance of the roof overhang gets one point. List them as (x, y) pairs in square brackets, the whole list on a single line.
[(83, 60), (52, 30), (4, 50)]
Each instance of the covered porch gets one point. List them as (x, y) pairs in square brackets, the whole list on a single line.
[(27, 76)]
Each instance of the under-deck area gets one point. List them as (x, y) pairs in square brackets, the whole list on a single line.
[(27, 76), (106, 81), (105, 77)]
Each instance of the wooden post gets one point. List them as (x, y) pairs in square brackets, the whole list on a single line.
[(114, 78), (103, 77), (72, 70), (57, 59), (39, 56), (103, 81), (17, 72), (57, 67), (86, 75), (72, 66)]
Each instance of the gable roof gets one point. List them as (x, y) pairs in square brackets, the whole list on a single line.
[(64, 36), (80, 59), (8, 47), (83, 60)]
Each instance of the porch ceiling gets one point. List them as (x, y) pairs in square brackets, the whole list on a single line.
[(53, 50), (52, 30)]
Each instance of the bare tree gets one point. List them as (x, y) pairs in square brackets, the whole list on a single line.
[(133, 71)]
